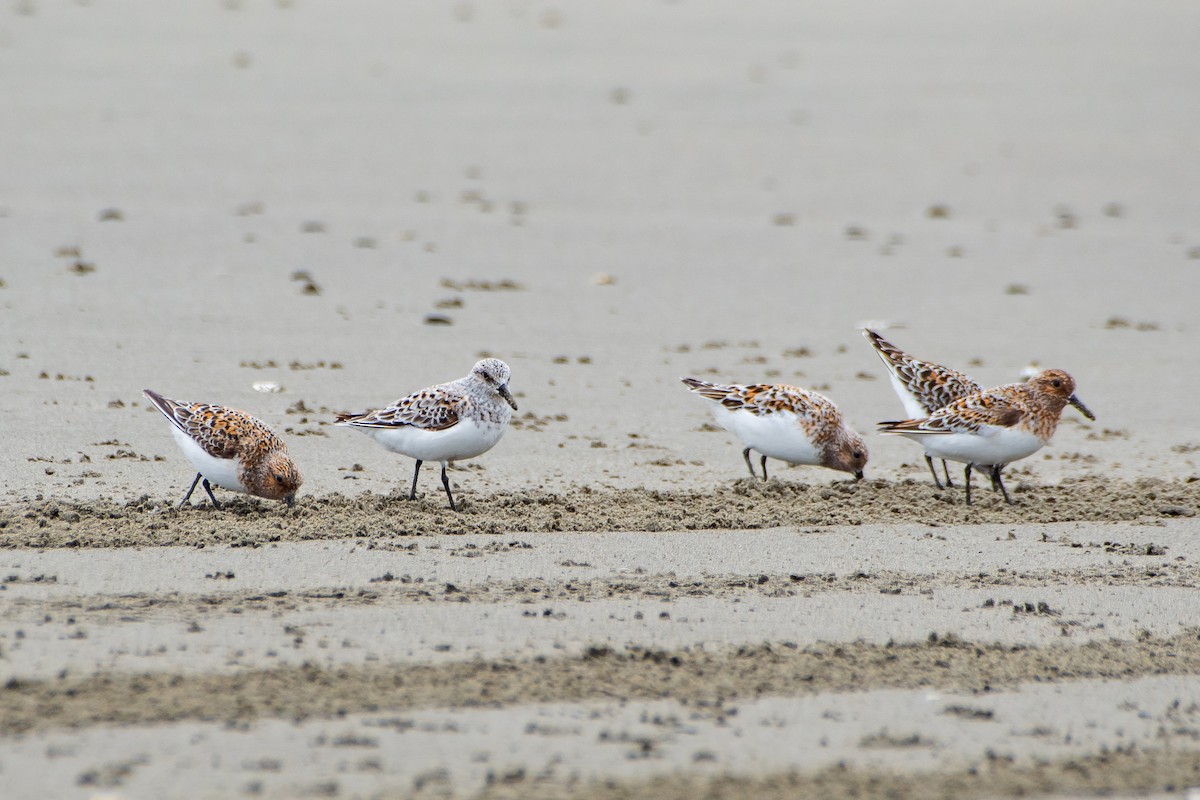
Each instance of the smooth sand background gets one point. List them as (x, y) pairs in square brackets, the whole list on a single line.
[(504, 119), (608, 196)]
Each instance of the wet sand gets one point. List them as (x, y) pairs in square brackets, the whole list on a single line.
[(940, 660), (300, 209), (744, 504)]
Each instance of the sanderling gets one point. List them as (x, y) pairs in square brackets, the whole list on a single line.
[(784, 422), (995, 427), (922, 386), (231, 449), (448, 422)]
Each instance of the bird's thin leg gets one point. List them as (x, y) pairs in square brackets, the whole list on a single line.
[(946, 469), (967, 473), (749, 466), (446, 483), (994, 473), (764, 466), (189, 491), (933, 471), (211, 496), (998, 481), (412, 495)]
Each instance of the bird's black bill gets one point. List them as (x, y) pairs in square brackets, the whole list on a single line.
[(1075, 401), (503, 390)]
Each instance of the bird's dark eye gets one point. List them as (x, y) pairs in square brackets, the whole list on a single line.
[(279, 479), (857, 455), (1057, 383)]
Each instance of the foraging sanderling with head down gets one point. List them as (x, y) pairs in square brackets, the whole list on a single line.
[(231, 449), (995, 427), (445, 423), (922, 386), (785, 422)]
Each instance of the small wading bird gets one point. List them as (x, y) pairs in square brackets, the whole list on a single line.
[(995, 427), (784, 422), (445, 423), (231, 449), (923, 387)]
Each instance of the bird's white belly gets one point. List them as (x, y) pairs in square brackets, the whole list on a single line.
[(464, 440), (991, 446), (221, 472), (776, 435)]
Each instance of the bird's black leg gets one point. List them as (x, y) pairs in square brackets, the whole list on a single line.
[(189, 491), (211, 496), (412, 495), (946, 469), (968, 480), (749, 466), (446, 483), (933, 471), (764, 466), (997, 481)]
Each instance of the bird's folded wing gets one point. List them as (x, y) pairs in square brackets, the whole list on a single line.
[(214, 428), (427, 410), (968, 415)]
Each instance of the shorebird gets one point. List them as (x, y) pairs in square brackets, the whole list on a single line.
[(995, 427), (922, 386), (785, 422), (231, 449), (445, 423)]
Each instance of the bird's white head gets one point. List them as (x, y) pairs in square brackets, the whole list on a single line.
[(494, 374)]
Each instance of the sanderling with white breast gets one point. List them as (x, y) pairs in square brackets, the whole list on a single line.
[(445, 423), (231, 449), (995, 427), (785, 422), (922, 386)]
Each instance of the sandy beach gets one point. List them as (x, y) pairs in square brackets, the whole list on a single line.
[(300, 209)]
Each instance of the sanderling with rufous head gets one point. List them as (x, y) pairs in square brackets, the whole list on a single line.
[(995, 427), (231, 449), (785, 422)]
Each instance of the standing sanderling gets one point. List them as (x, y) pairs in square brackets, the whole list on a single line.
[(784, 422), (922, 386), (995, 427), (231, 449), (448, 422)]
